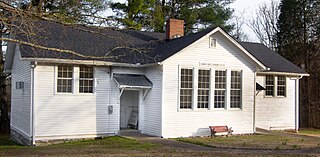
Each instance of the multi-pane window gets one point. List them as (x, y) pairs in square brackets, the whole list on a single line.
[(235, 91), (281, 86), (220, 89), (86, 79), (269, 85), (186, 88), (203, 88), (64, 79)]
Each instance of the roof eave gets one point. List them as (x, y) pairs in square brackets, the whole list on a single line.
[(85, 62), (282, 73)]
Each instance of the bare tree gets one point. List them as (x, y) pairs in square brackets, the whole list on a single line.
[(264, 23), (238, 21)]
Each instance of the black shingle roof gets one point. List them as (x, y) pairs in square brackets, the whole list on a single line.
[(127, 46), (132, 80), (271, 59)]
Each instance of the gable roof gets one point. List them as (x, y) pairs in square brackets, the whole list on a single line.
[(129, 46), (274, 61)]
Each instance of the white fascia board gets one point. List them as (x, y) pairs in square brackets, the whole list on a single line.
[(218, 29), (85, 62), (139, 87), (282, 73)]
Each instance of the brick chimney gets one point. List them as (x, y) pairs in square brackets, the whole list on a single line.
[(174, 28)]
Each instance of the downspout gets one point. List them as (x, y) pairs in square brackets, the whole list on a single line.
[(254, 103), (33, 65), (297, 103)]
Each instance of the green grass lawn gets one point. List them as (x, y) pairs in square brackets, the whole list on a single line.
[(256, 142), (119, 146), (313, 132), (109, 146)]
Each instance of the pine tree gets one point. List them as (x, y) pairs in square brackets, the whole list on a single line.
[(298, 41), (134, 14), (151, 14)]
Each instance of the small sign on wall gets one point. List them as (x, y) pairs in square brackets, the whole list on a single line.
[(212, 64)]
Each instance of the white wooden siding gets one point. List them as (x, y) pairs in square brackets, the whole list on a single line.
[(276, 112), (20, 99), (152, 103), (193, 123), (61, 115)]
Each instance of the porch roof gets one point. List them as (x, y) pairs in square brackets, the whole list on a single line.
[(132, 81), (259, 87)]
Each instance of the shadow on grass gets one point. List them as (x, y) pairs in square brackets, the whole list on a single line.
[(5, 141)]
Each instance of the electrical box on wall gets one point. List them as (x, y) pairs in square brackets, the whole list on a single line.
[(110, 109)]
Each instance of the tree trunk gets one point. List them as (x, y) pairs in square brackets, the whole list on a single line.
[(4, 107)]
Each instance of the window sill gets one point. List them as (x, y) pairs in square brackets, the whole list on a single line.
[(86, 94), (275, 97), (235, 109), (186, 110), (75, 94), (58, 93), (209, 110)]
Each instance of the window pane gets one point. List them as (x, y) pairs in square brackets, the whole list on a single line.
[(186, 88), (235, 92), (220, 87), (203, 88), (86, 79), (235, 98), (269, 85), (281, 87), (219, 98), (64, 80)]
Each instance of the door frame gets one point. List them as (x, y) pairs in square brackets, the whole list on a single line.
[(140, 111)]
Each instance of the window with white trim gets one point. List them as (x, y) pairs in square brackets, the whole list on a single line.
[(235, 91), (186, 87), (213, 42), (220, 89), (203, 88), (86, 79), (281, 86), (65, 79), (269, 85)]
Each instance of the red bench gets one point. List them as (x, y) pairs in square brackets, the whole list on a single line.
[(220, 129)]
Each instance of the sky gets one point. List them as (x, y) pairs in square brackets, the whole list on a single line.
[(248, 8)]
